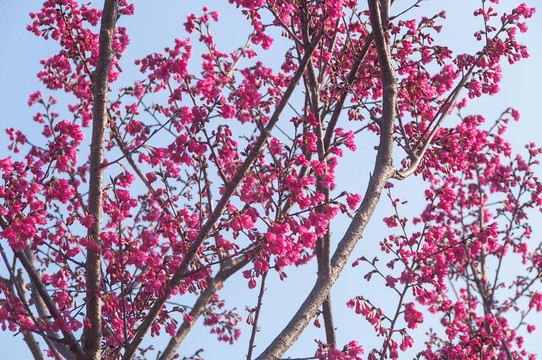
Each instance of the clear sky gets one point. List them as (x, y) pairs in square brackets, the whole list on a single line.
[(154, 26)]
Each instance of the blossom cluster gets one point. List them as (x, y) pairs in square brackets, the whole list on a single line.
[(213, 166)]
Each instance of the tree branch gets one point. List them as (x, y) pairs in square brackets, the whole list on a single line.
[(35, 278), (28, 336), (323, 243), (256, 317), (42, 309), (418, 157), (350, 81), (41, 303), (228, 268), (92, 335)]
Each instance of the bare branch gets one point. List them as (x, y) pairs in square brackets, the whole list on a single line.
[(350, 81), (256, 318)]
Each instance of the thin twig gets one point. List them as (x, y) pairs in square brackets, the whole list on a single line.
[(255, 328)]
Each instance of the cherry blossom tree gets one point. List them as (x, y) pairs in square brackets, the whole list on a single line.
[(140, 199)]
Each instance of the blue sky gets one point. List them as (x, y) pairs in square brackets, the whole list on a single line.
[(153, 27)]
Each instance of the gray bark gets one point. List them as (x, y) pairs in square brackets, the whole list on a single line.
[(213, 285), (93, 335)]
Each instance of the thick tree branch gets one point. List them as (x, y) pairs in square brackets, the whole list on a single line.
[(385, 6), (68, 347), (383, 171), (93, 334), (35, 278), (43, 312), (323, 243), (28, 336), (228, 268)]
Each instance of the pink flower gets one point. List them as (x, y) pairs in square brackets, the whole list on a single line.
[(275, 147), (34, 97), (412, 316), (188, 318), (252, 283), (353, 200), (391, 221), (87, 221)]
